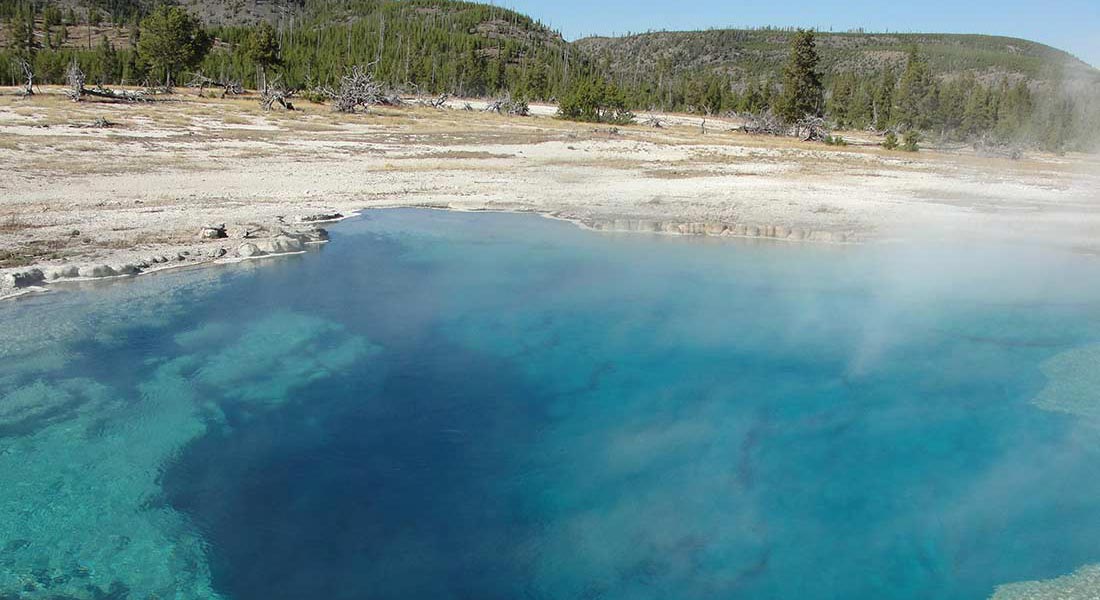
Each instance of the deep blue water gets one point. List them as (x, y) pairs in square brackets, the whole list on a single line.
[(479, 406)]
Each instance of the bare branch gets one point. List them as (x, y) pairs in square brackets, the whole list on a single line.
[(359, 89), (75, 78), (508, 106), (275, 92), (28, 74), (438, 102)]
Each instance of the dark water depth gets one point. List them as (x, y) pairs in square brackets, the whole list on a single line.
[(443, 405)]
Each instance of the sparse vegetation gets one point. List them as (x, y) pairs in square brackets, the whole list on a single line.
[(910, 141), (1005, 92), (172, 40), (803, 95), (595, 101)]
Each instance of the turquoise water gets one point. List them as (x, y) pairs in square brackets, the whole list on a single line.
[(443, 405)]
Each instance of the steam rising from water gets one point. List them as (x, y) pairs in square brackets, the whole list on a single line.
[(549, 413)]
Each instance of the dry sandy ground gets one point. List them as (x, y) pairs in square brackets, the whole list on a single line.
[(144, 186)]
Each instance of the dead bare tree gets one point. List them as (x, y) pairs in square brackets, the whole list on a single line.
[(765, 123), (229, 86), (438, 102), (75, 78), (811, 129), (509, 106), (275, 92), (359, 89), (654, 121), (28, 74), (76, 91), (198, 80)]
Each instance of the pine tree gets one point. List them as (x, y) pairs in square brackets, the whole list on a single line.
[(172, 40), (916, 94), (21, 28), (802, 90), (978, 115), (840, 106), (262, 48), (883, 105)]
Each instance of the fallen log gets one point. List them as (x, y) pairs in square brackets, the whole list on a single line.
[(77, 91)]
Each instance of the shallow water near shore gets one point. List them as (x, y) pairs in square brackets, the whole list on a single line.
[(455, 405)]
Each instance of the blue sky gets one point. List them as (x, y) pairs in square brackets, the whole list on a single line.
[(1072, 25)]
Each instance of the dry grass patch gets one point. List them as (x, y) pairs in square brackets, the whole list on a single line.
[(682, 174), (457, 154), (14, 223), (35, 251)]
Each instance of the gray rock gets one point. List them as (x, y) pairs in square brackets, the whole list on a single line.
[(280, 245), (26, 278), (128, 269), (217, 253), (63, 272), (322, 217), (213, 232), (97, 271), (315, 234), (248, 250)]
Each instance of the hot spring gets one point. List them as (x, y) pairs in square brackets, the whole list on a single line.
[(444, 405)]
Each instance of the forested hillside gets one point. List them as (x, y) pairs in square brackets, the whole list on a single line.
[(743, 53), (964, 87), (436, 45), (992, 90)]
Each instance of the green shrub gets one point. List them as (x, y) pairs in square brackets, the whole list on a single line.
[(891, 141), (594, 101), (911, 140), (835, 140)]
